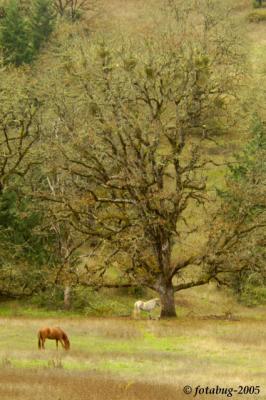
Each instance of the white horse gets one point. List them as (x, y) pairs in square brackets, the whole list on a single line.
[(147, 306)]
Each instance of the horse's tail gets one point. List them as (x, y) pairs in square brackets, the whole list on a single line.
[(39, 340)]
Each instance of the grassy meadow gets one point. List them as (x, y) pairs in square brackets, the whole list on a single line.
[(121, 358), (124, 358)]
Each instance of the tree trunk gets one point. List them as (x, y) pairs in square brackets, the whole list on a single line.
[(67, 297), (167, 301)]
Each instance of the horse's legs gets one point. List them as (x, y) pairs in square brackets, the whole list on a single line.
[(62, 343), (56, 344), (43, 340), (136, 312)]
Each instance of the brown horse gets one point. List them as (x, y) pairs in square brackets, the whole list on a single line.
[(55, 334)]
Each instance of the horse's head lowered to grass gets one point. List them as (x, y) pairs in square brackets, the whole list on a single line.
[(54, 334)]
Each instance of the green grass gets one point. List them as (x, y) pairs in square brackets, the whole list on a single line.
[(257, 16), (199, 301), (23, 309), (108, 303)]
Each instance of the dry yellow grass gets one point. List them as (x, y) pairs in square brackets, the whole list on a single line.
[(61, 385)]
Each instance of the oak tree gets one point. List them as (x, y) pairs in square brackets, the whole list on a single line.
[(138, 164)]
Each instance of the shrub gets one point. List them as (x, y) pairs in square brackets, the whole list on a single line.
[(253, 290), (253, 296), (81, 298), (50, 299), (73, 9), (257, 16), (257, 3)]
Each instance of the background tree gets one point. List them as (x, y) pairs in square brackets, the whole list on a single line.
[(24, 29), (42, 22), (14, 39), (21, 245), (24, 250), (66, 242), (19, 128), (237, 240)]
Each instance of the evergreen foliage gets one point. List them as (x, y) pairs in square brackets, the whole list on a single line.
[(18, 230), (25, 250), (41, 22), (14, 37), (21, 38)]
